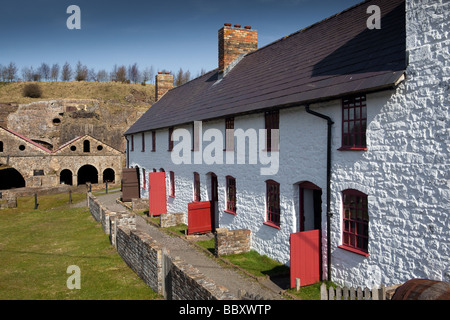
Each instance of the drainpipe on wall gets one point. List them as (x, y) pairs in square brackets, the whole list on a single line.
[(128, 152), (329, 214)]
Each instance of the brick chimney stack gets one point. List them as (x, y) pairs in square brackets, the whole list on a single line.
[(234, 41), (163, 83)]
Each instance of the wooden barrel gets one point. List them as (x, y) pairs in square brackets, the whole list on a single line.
[(423, 289)]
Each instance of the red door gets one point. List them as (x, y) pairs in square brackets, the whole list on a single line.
[(157, 193), (200, 217), (305, 257)]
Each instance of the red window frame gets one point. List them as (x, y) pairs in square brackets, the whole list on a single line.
[(153, 141), (273, 210), (229, 138), (355, 226), (272, 121), (354, 123), (172, 184), (197, 196), (143, 142), (231, 195), (170, 139)]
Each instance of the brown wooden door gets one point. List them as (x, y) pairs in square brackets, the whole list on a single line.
[(130, 184)]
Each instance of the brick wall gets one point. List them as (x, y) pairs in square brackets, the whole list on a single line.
[(231, 241)]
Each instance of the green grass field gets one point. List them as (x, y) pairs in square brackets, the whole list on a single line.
[(37, 247)]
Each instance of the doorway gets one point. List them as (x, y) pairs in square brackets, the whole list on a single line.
[(214, 198), (87, 173), (310, 211), (306, 252)]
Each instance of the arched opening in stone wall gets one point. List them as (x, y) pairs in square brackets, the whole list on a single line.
[(87, 173), (10, 178), (109, 175), (86, 146), (66, 177)]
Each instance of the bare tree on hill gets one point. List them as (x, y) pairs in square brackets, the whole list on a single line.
[(66, 74)]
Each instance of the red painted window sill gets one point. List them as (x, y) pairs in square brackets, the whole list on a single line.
[(271, 224), (230, 212), (352, 149), (354, 250)]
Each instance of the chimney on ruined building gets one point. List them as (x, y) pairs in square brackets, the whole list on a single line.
[(235, 41), (163, 83)]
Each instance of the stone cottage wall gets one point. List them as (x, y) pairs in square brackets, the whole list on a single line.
[(405, 171)]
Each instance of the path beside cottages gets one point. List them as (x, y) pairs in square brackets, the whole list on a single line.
[(222, 275)]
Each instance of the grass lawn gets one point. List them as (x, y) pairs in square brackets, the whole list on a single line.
[(37, 247)]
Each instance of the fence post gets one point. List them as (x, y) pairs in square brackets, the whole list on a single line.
[(323, 292), (330, 293), (35, 201), (297, 284), (382, 292), (352, 293), (338, 293), (346, 293), (367, 294), (375, 293), (359, 293)]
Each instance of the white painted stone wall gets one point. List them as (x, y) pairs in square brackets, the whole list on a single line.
[(405, 170), (304, 161)]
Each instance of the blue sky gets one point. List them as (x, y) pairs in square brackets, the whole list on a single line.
[(164, 34)]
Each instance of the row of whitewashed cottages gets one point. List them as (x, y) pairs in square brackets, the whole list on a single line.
[(349, 160)]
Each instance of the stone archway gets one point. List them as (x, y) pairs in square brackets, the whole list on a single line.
[(87, 173), (10, 178), (66, 177), (109, 175)]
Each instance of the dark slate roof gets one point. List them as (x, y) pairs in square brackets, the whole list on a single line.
[(332, 58)]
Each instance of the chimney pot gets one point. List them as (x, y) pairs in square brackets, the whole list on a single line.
[(248, 27), (227, 24), (237, 25)]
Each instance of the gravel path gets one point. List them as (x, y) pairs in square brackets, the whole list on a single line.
[(222, 275)]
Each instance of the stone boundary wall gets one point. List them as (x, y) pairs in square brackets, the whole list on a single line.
[(7, 203), (142, 255), (185, 282), (169, 276), (231, 241), (108, 219), (172, 219)]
